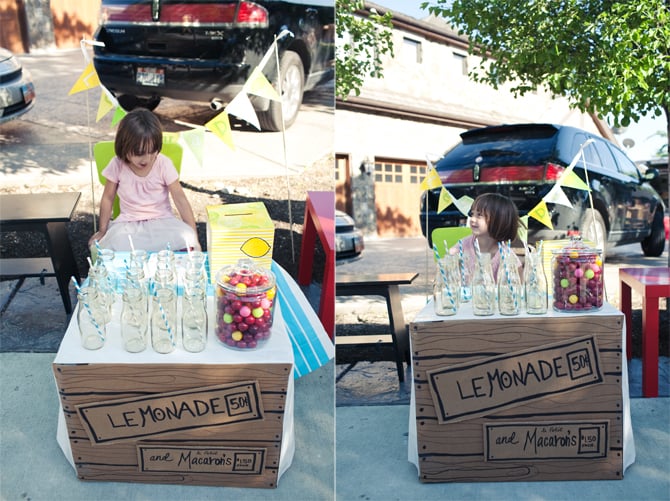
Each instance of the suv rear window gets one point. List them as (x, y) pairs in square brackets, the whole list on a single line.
[(502, 146)]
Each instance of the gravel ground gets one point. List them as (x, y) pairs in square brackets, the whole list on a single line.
[(273, 192)]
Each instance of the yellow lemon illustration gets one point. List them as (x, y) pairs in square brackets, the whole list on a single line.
[(255, 247)]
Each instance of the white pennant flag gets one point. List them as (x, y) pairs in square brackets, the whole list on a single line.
[(557, 196), (242, 108)]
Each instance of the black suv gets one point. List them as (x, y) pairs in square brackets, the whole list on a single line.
[(523, 161), (204, 50)]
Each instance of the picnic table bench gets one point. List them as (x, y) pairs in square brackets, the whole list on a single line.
[(44, 213), (385, 285)]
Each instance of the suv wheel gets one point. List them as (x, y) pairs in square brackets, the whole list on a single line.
[(654, 244), (129, 102), (593, 229), (293, 82)]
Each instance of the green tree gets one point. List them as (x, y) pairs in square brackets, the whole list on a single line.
[(362, 41), (609, 57)]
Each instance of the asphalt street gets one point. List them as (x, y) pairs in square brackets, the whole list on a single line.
[(52, 144)]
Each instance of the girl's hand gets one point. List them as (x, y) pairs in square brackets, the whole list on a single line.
[(96, 236)]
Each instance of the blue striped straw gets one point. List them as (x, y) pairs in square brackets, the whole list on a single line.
[(98, 249), (164, 317), (87, 307), (444, 276)]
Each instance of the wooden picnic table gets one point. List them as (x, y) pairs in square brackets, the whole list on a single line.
[(385, 285), (44, 213)]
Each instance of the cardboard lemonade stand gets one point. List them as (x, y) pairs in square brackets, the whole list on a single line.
[(217, 417), (520, 398)]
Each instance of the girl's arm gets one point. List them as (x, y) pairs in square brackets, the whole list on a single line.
[(106, 203), (182, 204)]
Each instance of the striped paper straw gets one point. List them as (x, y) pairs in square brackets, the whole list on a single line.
[(87, 307), (164, 317), (443, 274)]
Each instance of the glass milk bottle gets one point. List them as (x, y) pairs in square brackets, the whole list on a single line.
[(194, 320), (98, 278), (509, 288), (164, 320), (535, 283), (447, 287), (483, 286), (90, 318), (134, 312)]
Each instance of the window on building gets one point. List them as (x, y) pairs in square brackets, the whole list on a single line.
[(411, 50), (461, 61)]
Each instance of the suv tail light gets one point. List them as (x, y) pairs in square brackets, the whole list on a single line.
[(507, 174), (249, 14)]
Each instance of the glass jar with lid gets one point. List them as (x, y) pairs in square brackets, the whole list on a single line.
[(578, 281), (245, 299)]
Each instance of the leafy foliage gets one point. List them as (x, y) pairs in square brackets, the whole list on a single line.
[(361, 44), (605, 56)]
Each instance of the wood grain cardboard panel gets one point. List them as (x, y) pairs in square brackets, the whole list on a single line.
[(92, 384), (455, 452)]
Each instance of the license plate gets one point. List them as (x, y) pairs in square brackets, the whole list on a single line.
[(150, 77), (28, 91)]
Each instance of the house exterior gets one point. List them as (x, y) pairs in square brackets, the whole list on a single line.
[(30, 25), (417, 111)]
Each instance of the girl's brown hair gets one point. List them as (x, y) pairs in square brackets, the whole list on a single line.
[(502, 216), (140, 132)]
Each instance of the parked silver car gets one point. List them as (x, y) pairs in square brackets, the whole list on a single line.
[(17, 91), (348, 239)]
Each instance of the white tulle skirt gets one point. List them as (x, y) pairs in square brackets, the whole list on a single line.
[(152, 235)]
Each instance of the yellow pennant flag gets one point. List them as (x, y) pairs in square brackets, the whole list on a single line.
[(432, 180), (572, 180), (119, 113), (445, 200), (541, 213), (104, 106), (258, 85), (195, 140), (87, 80), (220, 125)]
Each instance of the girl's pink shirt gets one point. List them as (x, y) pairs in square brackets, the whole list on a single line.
[(143, 198), (469, 251)]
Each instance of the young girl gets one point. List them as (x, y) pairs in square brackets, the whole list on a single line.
[(493, 218), (144, 179)]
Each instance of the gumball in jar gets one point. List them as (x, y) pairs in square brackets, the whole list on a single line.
[(577, 278), (245, 299)]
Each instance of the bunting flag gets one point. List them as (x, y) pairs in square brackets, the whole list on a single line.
[(572, 180), (258, 85), (195, 140), (119, 113), (463, 204), (171, 137), (523, 229), (432, 180), (557, 196), (220, 125), (445, 200), (87, 80), (242, 108), (105, 106), (541, 213)]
